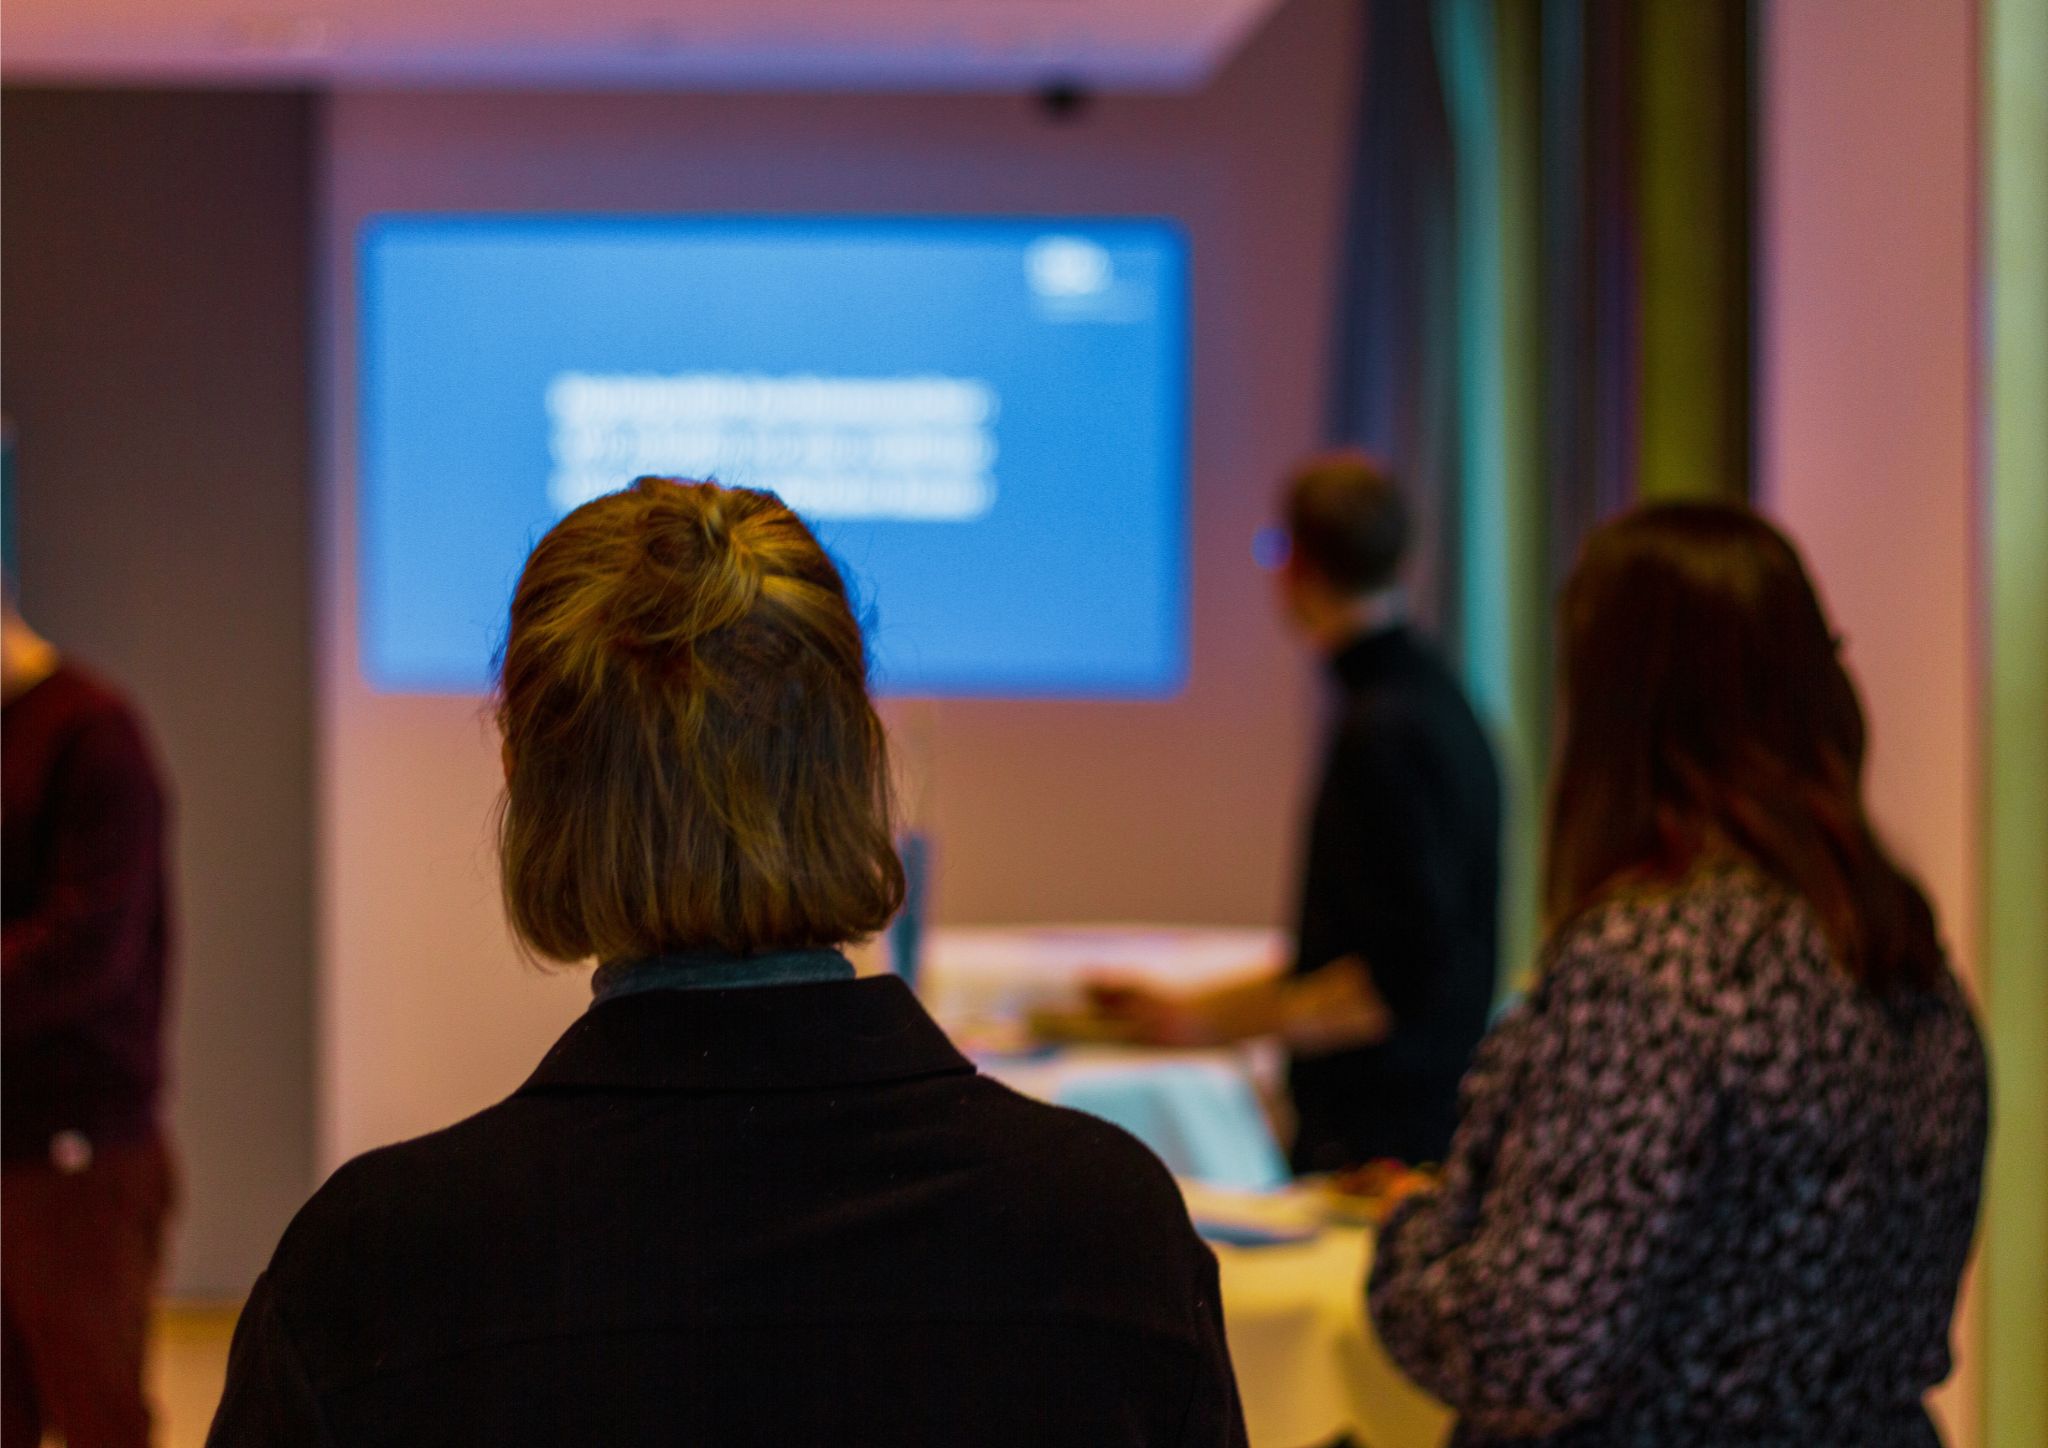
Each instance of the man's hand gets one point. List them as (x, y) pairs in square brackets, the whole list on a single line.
[(1147, 1016), (1326, 1010), (1335, 1007)]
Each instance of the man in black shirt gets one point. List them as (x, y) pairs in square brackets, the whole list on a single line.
[(1396, 941)]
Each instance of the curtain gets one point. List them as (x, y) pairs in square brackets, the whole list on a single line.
[(1545, 313), (1394, 372)]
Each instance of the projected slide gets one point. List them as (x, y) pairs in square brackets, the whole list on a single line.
[(984, 420)]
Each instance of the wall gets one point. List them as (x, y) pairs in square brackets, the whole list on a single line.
[(156, 292), (1174, 810), (1867, 394)]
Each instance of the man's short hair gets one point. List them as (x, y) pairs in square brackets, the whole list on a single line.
[(1346, 518)]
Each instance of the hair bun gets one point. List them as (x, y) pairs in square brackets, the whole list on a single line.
[(714, 525)]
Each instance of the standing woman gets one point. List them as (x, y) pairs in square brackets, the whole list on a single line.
[(1716, 1181), (747, 1201)]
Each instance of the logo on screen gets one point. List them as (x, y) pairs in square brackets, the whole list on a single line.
[(1067, 266)]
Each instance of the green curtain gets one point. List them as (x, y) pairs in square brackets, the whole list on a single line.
[(1546, 313), (1487, 52), (1694, 171)]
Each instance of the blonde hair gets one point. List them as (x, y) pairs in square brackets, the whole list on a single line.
[(693, 759)]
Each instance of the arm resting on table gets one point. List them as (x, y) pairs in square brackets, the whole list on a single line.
[(1518, 1294)]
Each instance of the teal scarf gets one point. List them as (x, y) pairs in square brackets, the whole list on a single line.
[(711, 970)]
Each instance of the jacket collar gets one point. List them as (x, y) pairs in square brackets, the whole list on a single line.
[(714, 970), (777, 1038)]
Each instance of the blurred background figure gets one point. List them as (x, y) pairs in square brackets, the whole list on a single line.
[(746, 1198), (87, 1184), (1396, 940), (1718, 1177)]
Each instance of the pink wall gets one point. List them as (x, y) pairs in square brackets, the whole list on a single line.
[(1868, 387), (1868, 401), (1177, 810)]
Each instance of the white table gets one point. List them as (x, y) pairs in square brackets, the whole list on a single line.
[(1309, 1366)]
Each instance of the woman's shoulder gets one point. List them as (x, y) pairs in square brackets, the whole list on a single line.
[(1043, 1172), (1733, 951), (1695, 939), (354, 1199), (1061, 1159)]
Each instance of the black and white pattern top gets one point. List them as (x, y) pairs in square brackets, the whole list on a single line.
[(1704, 1190)]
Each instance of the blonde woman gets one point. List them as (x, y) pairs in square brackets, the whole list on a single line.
[(746, 1199)]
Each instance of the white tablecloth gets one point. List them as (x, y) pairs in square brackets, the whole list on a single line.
[(1308, 1364)]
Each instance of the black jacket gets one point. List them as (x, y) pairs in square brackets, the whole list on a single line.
[(1403, 870), (787, 1215)]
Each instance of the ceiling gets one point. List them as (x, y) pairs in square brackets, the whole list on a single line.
[(709, 44)]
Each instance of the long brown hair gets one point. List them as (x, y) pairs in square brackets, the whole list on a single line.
[(1705, 711), (693, 762)]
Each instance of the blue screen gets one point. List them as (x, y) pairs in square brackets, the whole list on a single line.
[(983, 420)]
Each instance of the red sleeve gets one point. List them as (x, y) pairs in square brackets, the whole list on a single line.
[(94, 931)]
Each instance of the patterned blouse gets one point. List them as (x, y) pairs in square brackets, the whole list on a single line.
[(1704, 1190)]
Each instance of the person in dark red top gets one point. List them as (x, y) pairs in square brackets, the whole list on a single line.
[(86, 1186)]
